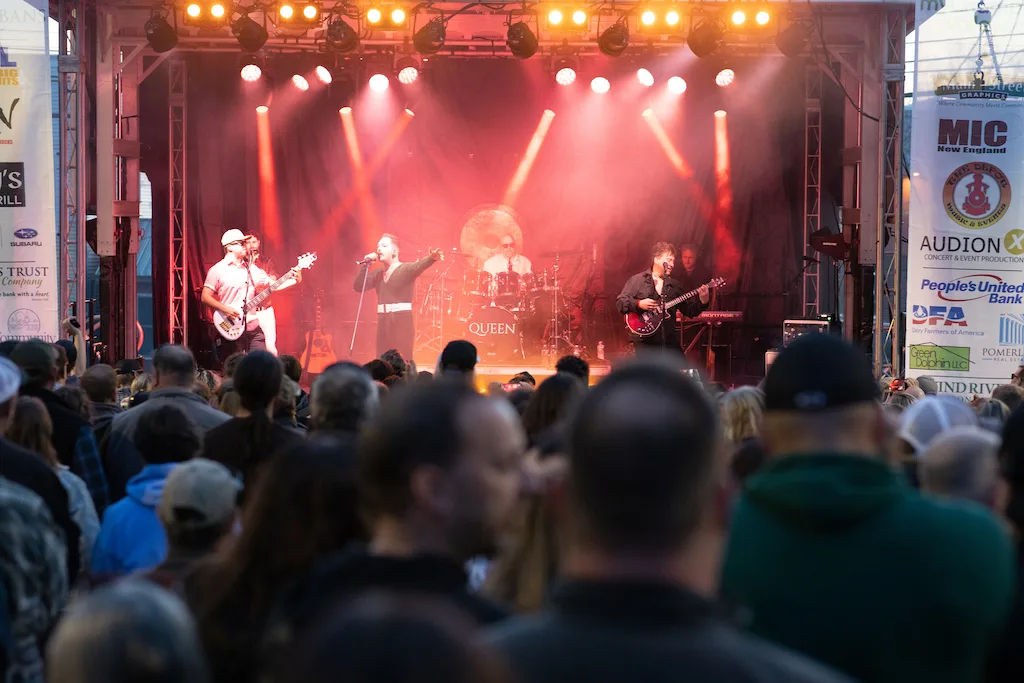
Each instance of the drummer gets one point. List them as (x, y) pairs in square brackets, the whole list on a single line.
[(500, 262)]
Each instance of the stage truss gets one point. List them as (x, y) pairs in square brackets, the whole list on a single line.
[(859, 46)]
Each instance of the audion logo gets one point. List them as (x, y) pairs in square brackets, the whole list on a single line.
[(944, 316), (976, 195)]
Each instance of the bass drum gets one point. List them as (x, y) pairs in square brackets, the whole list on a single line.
[(496, 334)]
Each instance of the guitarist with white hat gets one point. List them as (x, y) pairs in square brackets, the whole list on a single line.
[(233, 281)]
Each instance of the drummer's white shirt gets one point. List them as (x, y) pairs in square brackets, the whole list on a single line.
[(499, 264)]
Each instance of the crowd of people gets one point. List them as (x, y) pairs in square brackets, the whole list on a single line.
[(395, 525)]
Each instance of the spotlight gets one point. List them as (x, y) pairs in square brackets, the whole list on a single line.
[(398, 16), (566, 75), (262, 109), (250, 35), (579, 17), (217, 10), (251, 73), (647, 112), (379, 83), (323, 74), (341, 37), (555, 17), (720, 114), (676, 85), (310, 11), (761, 18), (286, 11), (648, 18), (725, 77), (706, 37), (193, 10), (429, 39), (614, 40), (410, 113), (600, 85), (408, 70), (645, 77), (672, 18), (738, 17), (521, 41), (792, 40), (345, 111), (207, 14), (373, 16), (300, 82), (160, 35), (300, 13)]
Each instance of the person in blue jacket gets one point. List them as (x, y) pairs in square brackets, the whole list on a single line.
[(131, 537)]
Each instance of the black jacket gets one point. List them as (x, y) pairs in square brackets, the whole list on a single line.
[(227, 444), (642, 633), (27, 469), (67, 424), (641, 286)]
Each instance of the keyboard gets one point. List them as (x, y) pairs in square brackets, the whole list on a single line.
[(719, 317)]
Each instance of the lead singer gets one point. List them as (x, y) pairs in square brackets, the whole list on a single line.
[(394, 284)]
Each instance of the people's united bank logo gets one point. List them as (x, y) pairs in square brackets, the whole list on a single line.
[(977, 195), (8, 69)]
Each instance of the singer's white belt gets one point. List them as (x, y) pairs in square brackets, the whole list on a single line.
[(393, 308)]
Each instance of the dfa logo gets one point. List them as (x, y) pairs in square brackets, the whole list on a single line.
[(945, 316)]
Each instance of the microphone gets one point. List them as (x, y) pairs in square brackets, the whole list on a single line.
[(364, 261)]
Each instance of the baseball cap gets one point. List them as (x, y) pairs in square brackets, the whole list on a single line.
[(198, 493), (819, 372), (459, 355), (125, 366), (931, 416), (36, 358), (232, 235), (10, 380)]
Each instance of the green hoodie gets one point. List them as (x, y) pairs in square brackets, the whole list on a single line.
[(836, 556)]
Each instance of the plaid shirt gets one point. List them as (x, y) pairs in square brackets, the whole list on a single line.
[(33, 568), (90, 468)]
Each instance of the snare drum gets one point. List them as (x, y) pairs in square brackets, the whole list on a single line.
[(477, 284), (496, 334), (506, 289)]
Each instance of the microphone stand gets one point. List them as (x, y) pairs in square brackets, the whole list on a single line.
[(359, 310)]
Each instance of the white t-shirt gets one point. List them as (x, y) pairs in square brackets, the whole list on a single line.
[(231, 286), (499, 264)]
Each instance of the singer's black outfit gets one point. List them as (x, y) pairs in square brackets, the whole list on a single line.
[(641, 286), (394, 327)]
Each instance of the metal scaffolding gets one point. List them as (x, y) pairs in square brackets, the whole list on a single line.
[(812, 190), (178, 288), (71, 68), (889, 241)]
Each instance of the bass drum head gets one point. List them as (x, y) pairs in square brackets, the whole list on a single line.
[(496, 334)]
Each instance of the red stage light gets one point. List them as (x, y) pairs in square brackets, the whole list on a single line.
[(600, 85), (345, 111), (300, 82), (193, 10), (262, 109), (565, 76), (286, 11), (408, 75), (409, 113), (672, 18), (309, 11), (645, 77), (725, 77), (379, 82), (251, 73), (738, 17), (579, 17), (647, 18), (761, 18), (373, 15), (676, 85), (217, 10), (555, 17), (323, 74), (397, 16), (720, 114)]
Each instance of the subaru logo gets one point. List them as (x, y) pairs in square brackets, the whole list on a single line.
[(25, 233)]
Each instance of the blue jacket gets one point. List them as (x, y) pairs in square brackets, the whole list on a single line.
[(131, 536)]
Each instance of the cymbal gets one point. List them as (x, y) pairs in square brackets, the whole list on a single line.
[(561, 252), (483, 229)]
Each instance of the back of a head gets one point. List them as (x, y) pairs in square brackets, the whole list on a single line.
[(379, 370), (258, 380), (1011, 395), (641, 448), (33, 429), (126, 632), (174, 365), (929, 417), (70, 352), (415, 427), (393, 357), (100, 383), (37, 360), (198, 504), (7, 347), (231, 364), (292, 367), (343, 397), (1011, 466), (166, 434), (381, 638), (741, 411), (575, 366), (961, 463), (928, 385), (552, 402)]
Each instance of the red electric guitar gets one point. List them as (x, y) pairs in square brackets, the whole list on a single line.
[(646, 323)]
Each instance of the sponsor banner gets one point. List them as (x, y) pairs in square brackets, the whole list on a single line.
[(28, 269), (965, 255)]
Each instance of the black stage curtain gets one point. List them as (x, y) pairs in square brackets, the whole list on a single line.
[(601, 185)]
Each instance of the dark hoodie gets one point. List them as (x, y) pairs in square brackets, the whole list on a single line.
[(837, 557)]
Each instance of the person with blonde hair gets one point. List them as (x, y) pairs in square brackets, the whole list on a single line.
[(740, 411)]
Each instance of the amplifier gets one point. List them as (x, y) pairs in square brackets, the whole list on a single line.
[(793, 329)]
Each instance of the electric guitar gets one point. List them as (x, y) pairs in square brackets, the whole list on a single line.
[(233, 330), (646, 323), (319, 346)]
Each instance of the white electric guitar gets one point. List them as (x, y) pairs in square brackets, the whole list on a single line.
[(233, 330)]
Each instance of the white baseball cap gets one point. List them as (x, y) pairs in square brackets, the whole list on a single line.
[(232, 235), (198, 493)]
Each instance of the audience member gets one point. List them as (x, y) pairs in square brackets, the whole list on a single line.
[(226, 400), (100, 385), (302, 510), (642, 550), (424, 376), (77, 400), (175, 374), (459, 359), (575, 366), (198, 509), (524, 379), (131, 537), (128, 632), (125, 370), (520, 398), (551, 404), (399, 366), (803, 555), (1006, 664), (740, 411), (379, 370), (141, 386), (1010, 394), (285, 407), (244, 443), (928, 385), (231, 364), (344, 397), (7, 347), (208, 379), (202, 391), (293, 371), (31, 428), (902, 399), (748, 458), (992, 414), (929, 417), (962, 463)]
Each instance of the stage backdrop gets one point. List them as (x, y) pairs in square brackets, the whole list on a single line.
[(28, 273)]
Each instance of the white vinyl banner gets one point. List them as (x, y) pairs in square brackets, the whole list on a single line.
[(965, 252), (28, 272)]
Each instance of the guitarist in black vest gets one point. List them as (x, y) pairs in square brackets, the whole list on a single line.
[(645, 291)]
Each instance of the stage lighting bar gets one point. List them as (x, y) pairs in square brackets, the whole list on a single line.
[(387, 17), (298, 14), (660, 19), (749, 18), (567, 19), (207, 14)]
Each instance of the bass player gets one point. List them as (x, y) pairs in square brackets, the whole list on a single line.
[(234, 280), (646, 290)]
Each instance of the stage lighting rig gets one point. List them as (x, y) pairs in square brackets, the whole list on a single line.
[(430, 38), (340, 36), (387, 17), (614, 40), (706, 37), (745, 18), (302, 15), (251, 70), (793, 39), (160, 35), (659, 19), (521, 40), (571, 20), (208, 15), (407, 68), (565, 69), (250, 35)]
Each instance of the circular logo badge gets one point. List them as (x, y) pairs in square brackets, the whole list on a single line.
[(976, 195), (1014, 242), (23, 321)]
